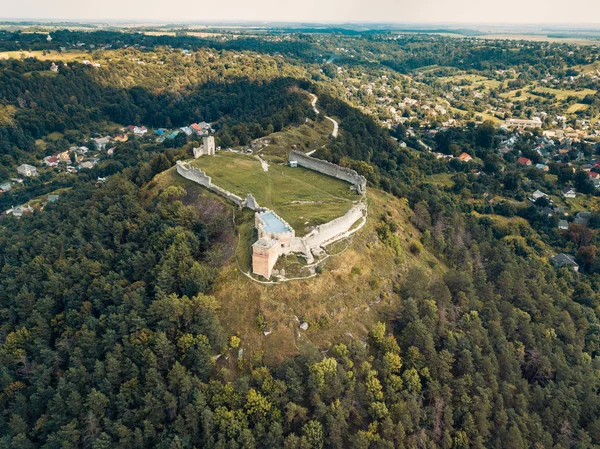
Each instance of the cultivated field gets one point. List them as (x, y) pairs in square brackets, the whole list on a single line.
[(302, 197), (47, 55)]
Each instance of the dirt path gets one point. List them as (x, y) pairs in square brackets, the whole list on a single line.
[(334, 133), (263, 163)]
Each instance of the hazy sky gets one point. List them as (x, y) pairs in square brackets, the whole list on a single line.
[(445, 11)]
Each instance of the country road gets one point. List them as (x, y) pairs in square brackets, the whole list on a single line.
[(334, 133)]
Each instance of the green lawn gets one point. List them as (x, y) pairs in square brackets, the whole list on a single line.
[(302, 197)]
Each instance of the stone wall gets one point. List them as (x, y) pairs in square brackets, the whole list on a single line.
[(346, 174), (332, 231), (196, 175)]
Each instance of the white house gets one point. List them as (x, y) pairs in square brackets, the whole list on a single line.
[(568, 192), (27, 170)]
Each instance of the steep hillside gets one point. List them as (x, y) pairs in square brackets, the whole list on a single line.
[(352, 290)]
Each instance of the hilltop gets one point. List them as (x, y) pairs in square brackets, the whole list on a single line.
[(354, 288)]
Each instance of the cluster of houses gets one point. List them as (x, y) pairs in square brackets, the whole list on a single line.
[(559, 150), (201, 129), (25, 209)]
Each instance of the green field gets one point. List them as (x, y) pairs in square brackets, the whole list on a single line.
[(48, 55), (474, 81), (577, 107), (302, 197), (563, 94)]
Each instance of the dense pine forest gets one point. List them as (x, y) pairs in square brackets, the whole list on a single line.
[(109, 330)]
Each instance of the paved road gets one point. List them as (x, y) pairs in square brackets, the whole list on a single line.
[(334, 133)]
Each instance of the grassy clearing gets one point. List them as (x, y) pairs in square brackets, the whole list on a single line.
[(563, 94), (474, 81), (305, 138), (302, 197), (48, 55), (512, 95), (577, 107), (55, 136), (441, 180), (582, 203)]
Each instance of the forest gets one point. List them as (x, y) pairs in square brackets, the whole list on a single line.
[(110, 337)]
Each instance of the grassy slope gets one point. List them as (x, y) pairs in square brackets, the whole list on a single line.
[(281, 188), (353, 291)]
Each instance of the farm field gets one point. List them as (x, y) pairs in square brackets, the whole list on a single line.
[(48, 55), (304, 198)]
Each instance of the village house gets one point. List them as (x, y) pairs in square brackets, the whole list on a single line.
[(568, 192), (564, 260), (464, 157), (27, 170), (138, 130), (537, 195), (582, 218), (101, 142), (5, 187), (51, 161), (121, 138), (524, 161), (19, 211), (86, 164), (563, 225)]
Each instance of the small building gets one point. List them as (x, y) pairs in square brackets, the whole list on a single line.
[(206, 149), (27, 170), (121, 138), (568, 192), (542, 167), (52, 198), (582, 218), (19, 211), (524, 124), (51, 161), (564, 260), (524, 161), (187, 130), (465, 157), (101, 142), (5, 187), (563, 225), (293, 164), (537, 195), (86, 164)]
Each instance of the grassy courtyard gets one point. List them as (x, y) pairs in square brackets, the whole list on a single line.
[(302, 197)]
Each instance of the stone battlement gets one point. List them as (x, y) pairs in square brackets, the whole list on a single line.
[(200, 177), (328, 168), (275, 235)]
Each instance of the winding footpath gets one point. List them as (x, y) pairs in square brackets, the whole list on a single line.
[(334, 133)]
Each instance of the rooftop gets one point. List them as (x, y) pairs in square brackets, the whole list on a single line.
[(273, 223)]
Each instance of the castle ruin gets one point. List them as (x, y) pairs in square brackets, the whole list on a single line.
[(275, 236), (206, 149)]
